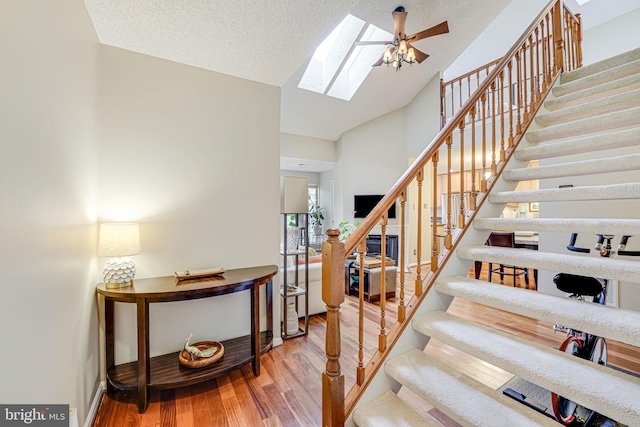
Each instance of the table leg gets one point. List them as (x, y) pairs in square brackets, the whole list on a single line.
[(269, 295), (255, 328), (110, 359), (143, 353), (478, 268)]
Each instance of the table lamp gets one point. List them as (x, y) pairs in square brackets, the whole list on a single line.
[(119, 240)]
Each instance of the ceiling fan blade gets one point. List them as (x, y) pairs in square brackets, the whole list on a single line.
[(399, 20), (441, 28), (379, 62), (372, 42), (420, 55)]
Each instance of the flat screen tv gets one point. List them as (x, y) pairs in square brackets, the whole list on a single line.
[(363, 204)]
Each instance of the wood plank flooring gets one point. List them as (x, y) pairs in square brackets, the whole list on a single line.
[(288, 391)]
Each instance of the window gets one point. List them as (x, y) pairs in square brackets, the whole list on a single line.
[(338, 67)]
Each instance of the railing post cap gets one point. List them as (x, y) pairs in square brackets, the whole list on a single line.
[(333, 233)]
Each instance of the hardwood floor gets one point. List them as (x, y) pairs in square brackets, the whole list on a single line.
[(288, 391)]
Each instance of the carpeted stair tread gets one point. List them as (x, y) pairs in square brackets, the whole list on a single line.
[(600, 66), (612, 268), (585, 167), (595, 79), (628, 227), (462, 398), (621, 101), (599, 123), (630, 190), (389, 410), (611, 88), (609, 322), (602, 389), (591, 143)]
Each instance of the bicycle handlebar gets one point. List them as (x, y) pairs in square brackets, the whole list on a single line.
[(602, 247)]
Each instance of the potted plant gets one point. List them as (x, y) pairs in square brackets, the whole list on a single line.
[(315, 218), (346, 229)]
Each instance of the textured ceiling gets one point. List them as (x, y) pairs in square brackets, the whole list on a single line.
[(272, 41), (264, 41)]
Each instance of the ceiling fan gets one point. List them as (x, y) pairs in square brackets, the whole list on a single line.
[(399, 49)]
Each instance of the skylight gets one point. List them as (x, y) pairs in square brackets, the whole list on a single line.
[(337, 67), (581, 2)]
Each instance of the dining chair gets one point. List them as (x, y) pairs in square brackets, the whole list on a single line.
[(506, 239)]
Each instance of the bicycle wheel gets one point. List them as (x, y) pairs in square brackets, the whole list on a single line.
[(599, 351), (564, 409)]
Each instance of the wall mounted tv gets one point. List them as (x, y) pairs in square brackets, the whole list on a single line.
[(363, 204)]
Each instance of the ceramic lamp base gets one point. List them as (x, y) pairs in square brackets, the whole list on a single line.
[(119, 273)]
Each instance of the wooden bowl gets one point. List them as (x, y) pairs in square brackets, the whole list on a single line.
[(201, 362)]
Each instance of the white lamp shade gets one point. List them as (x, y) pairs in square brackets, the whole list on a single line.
[(294, 195), (119, 239)]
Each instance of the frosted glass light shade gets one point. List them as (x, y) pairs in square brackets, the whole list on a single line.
[(119, 239)]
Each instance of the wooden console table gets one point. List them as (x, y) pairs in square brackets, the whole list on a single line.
[(165, 372)]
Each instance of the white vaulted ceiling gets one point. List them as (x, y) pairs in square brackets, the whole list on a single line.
[(272, 41)]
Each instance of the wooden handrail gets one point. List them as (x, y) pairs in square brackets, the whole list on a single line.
[(530, 68), (404, 181)]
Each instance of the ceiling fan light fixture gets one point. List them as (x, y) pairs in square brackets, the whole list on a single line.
[(402, 48), (387, 55), (411, 55)]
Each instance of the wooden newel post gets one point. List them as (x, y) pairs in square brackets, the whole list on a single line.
[(333, 295), (558, 41)]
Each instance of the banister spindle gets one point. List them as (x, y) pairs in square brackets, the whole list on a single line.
[(360, 371), (510, 67), (579, 39), (494, 167), (461, 216), (518, 94), (538, 84), (533, 78), (418, 282), (382, 338), (434, 220), (501, 96), (333, 257), (443, 103), (525, 96), (483, 179), (472, 199), (548, 47), (401, 306), (448, 237), (544, 75)]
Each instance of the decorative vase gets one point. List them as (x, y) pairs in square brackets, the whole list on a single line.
[(292, 318), (293, 237)]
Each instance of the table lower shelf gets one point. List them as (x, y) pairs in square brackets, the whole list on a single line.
[(166, 371)]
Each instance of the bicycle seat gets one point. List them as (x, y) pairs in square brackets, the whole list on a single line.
[(581, 285)]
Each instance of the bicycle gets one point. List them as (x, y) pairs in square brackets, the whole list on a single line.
[(578, 343)]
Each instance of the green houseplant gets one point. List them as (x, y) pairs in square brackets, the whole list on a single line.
[(316, 217)]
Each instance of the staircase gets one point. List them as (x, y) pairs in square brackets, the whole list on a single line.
[(592, 112)]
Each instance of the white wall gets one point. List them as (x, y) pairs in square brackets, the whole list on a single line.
[(48, 106), (497, 38), (611, 38), (305, 147), (194, 157), (372, 157), (423, 118)]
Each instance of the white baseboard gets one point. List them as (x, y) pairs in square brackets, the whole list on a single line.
[(94, 404), (277, 341)]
